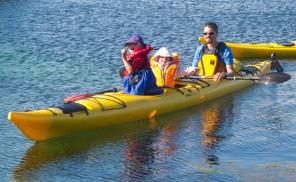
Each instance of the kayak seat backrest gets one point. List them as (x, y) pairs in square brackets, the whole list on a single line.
[(249, 70), (69, 108), (236, 67)]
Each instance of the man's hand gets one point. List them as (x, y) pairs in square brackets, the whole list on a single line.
[(190, 71)]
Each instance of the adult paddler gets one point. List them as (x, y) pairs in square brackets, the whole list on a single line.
[(212, 58)]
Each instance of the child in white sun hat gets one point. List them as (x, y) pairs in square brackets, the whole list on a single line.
[(166, 68)]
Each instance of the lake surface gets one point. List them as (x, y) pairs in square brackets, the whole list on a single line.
[(52, 49)]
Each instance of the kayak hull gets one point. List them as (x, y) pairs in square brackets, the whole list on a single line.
[(261, 50), (111, 109)]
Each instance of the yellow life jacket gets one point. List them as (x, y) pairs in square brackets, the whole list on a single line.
[(210, 65), (165, 77)]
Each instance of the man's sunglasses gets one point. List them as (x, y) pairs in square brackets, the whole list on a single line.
[(210, 33)]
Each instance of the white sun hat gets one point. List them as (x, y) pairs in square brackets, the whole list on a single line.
[(163, 52)]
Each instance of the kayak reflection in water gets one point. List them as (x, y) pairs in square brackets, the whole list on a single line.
[(138, 78), (215, 117), (212, 58)]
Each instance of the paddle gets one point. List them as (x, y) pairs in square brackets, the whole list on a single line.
[(269, 78), (83, 96)]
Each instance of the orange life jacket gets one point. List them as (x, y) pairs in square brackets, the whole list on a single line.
[(165, 76)]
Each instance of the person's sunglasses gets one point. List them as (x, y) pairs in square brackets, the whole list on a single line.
[(132, 43), (208, 33)]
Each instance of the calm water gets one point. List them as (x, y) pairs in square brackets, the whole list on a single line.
[(51, 49)]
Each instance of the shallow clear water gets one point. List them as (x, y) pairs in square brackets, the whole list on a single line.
[(51, 49)]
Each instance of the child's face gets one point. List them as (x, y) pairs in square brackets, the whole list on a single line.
[(133, 46), (164, 60)]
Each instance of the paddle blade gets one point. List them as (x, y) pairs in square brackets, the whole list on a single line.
[(274, 78)]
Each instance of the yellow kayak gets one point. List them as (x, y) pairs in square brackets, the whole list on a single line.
[(114, 108), (260, 50)]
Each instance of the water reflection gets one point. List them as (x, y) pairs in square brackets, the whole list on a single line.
[(146, 148), (143, 141), (166, 143), (153, 146), (216, 119), (139, 156), (146, 153), (43, 153)]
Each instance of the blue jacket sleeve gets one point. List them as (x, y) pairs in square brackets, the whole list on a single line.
[(197, 56), (227, 56)]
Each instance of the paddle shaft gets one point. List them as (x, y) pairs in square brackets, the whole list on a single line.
[(227, 78), (114, 89), (83, 96), (272, 77)]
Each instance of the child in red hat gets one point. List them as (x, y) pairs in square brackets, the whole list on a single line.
[(135, 57), (137, 76)]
